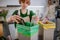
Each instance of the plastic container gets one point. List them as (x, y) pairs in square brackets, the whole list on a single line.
[(27, 30), (47, 28), (47, 25)]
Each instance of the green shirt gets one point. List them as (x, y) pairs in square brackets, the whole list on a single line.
[(24, 15)]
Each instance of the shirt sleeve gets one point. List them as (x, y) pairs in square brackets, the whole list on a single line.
[(32, 13), (15, 12)]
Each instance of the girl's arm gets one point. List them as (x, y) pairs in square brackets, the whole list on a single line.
[(13, 18), (34, 17)]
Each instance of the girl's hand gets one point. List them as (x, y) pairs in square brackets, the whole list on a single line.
[(45, 20), (36, 18), (14, 18)]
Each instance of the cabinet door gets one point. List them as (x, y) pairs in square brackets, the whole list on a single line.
[(1, 29)]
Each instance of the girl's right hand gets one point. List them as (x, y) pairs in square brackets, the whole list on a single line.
[(14, 18)]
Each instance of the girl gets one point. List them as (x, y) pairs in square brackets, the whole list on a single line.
[(22, 13), (50, 12)]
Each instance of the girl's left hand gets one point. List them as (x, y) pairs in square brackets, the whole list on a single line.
[(36, 18)]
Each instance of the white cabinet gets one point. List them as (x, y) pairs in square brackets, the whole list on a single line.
[(8, 2), (38, 2), (16, 2)]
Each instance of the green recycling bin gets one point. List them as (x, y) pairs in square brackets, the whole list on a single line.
[(27, 30)]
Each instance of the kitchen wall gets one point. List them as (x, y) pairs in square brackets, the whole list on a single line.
[(8, 2), (38, 2), (15, 2)]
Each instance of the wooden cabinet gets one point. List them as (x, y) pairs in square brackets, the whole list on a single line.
[(1, 29)]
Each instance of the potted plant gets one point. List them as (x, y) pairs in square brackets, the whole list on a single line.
[(3, 14)]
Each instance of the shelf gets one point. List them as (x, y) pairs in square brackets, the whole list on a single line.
[(10, 6)]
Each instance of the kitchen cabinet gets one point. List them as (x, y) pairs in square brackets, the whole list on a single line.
[(8, 2), (4, 29), (16, 2), (39, 2), (1, 29)]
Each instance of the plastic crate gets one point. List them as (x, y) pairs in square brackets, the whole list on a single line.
[(27, 30)]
